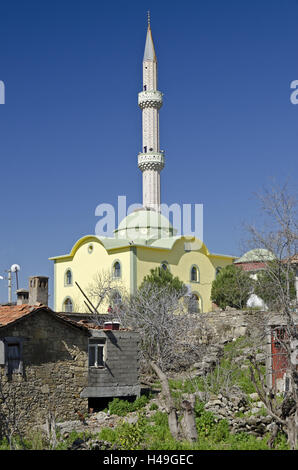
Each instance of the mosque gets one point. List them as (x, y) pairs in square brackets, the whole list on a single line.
[(145, 239)]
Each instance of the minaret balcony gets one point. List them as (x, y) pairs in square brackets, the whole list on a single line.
[(150, 99), (151, 161)]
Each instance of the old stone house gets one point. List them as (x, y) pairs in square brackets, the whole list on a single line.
[(49, 362)]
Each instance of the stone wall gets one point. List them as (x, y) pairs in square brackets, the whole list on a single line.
[(228, 325), (55, 369)]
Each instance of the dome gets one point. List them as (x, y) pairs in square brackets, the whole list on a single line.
[(256, 256), (145, 224)]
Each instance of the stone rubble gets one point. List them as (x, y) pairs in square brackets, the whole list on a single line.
[(252, 418)]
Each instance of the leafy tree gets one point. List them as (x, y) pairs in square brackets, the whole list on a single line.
[(231, 287), (163, 278)]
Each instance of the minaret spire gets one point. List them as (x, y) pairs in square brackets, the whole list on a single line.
[(151, 159), (149, 53)]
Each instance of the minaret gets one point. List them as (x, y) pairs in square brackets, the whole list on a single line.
[(151, 159)]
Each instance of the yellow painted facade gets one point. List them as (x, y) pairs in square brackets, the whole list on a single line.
[(92, 255)]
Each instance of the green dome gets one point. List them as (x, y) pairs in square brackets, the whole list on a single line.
[(145, 224), (255, 256)]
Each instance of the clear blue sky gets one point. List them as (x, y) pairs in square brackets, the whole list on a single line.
[(70, 130)]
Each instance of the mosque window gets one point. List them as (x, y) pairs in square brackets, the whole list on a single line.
[(68, 278), (145, 87), (164, 266), (194, 304), (67, 305), (90, 248), (194, 274), (145, 149), (117, 269)]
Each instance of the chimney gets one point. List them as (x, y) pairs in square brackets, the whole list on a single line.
[(22, 296), (38, 290)]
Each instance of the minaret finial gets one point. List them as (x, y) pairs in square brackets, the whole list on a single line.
[(148, 17)]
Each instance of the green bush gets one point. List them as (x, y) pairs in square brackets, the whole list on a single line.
[(123, 407), (119, 407), (127, 436), (153, 407)]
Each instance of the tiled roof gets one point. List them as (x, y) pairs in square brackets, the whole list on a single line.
[(11, 313)]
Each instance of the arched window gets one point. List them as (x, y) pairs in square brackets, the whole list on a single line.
[(68, 278), (194, 304), (164, 265), (67, 305), (116, 269), (194, 274)]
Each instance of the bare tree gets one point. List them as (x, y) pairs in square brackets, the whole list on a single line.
[(104, 292), (169, 342), (279, 238)]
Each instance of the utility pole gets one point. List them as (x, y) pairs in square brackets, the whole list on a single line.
[(9, 287)]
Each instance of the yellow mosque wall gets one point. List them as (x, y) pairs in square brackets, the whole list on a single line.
[(84, 264), (89, 257)]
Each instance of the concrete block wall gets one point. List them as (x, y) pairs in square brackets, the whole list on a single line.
[(120, 376)]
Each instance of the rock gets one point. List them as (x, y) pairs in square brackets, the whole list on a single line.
[(101, 415), (255, 410), (214, 403), (270, 427), (254, 396), (197, 365), (259, 404), (253, 420), (132, 419)]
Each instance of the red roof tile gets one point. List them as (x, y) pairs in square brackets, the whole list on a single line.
[(11, 313)]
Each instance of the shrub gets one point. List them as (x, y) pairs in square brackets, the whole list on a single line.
[(123, 407), (153, 407), (119, 407), (129, 436)]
